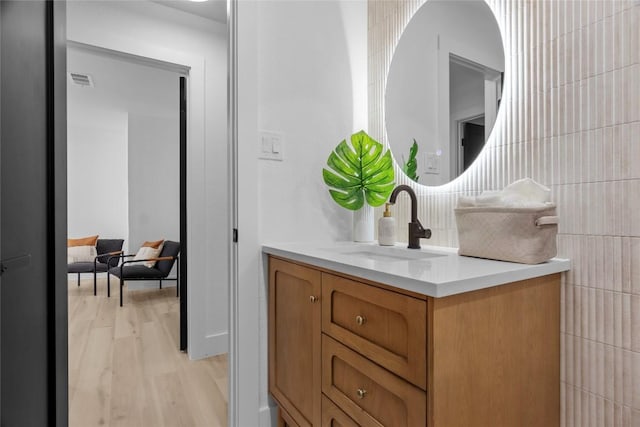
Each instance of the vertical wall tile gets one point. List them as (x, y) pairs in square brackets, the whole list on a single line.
[(627, 332), (572, 120), (634, 265), (634, 327), (608, 318), (609, 373), (635, 375)]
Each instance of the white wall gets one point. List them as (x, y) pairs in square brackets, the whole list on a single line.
[(151, 30), (154, 180), (466, 92), (302, 72), (125, 124), (97, 201), (417, 91)]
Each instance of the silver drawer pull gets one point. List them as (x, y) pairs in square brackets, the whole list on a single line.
[(313, 298), (361, 393), (361, 320)]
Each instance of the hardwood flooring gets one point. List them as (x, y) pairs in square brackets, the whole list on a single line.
[(125, 368)]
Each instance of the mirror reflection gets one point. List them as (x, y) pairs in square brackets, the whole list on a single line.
[(444, 89)]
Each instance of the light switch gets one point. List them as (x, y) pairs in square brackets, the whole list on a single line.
[(275, 148), (266, 143), (271, 145), (432, 164)]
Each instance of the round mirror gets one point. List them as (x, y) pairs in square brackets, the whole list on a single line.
[(444, 89)]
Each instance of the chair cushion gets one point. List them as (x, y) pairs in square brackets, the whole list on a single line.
[(83, 241), (106, 246), (171, 249), (81, 254), (82, 249), (85, 267), (136, 271), (148, 250)]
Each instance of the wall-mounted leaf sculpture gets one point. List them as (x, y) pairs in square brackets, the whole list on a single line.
[(359, 171), (411, 166)]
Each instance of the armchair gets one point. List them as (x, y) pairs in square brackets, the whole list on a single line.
[(127, 270), (106, 250)]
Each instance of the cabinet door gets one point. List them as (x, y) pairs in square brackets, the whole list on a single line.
[(294, 340)]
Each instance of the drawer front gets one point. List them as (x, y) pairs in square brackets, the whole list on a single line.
[(284, 419), (332, 416), (386, 327), (369, 394)]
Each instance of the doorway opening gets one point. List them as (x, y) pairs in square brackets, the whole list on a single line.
[(138, 344), (471, 139), (126, 123), (475, 92)]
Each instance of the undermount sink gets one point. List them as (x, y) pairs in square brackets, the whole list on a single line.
[(387, 253)]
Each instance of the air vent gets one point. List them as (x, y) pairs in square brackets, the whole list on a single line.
[(81, 79)]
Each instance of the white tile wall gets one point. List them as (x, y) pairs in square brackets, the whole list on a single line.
[(571, 120)]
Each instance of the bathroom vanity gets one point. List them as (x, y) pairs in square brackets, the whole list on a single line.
[(366, 335)]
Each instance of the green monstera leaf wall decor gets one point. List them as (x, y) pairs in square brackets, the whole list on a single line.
[(359, 172), (410, 167)]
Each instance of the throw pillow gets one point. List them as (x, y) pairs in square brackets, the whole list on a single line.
[(149, 250), (81, 250)]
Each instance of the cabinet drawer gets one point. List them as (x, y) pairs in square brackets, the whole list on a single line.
[(387, 327), (284, 419), (332, 416), (369, 394)]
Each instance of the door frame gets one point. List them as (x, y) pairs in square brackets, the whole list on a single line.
[(196, 202), (50, 84), (459, 126), (183, 72), (182, 265)]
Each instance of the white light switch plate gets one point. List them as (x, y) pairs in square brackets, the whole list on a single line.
[(432, 163), (271, 146)]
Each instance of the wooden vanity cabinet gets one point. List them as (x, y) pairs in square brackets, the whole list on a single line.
[(294, 342), (367, 354)]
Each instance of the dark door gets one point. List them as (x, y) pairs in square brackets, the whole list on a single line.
[(472, 142), (33, 296), (183, 214)]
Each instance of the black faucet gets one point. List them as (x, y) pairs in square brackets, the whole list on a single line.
[(416, 230)]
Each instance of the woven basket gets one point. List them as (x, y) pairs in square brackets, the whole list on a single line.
[(524, 235)]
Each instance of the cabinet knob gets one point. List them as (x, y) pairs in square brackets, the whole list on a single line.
[(360, 320), (361, 393), (313, 298)]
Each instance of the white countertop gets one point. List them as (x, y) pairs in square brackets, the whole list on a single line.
[(443, 273)]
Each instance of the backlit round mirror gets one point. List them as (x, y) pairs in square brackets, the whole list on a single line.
[(444, 89)]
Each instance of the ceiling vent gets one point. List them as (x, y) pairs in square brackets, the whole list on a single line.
[(84, 80)]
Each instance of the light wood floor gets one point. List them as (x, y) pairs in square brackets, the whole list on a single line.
[(125, 368)]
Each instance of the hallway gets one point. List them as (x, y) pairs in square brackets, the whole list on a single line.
[(125, 368)]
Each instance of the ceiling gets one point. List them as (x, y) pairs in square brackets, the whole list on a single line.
[(210, 9)]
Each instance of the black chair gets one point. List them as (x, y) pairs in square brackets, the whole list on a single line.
[(164, 263), (106, 250)]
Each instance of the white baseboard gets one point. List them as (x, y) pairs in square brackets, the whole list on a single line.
[(211, 345), (268, 416)]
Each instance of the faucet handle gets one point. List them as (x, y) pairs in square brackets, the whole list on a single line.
[(424, 233)]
